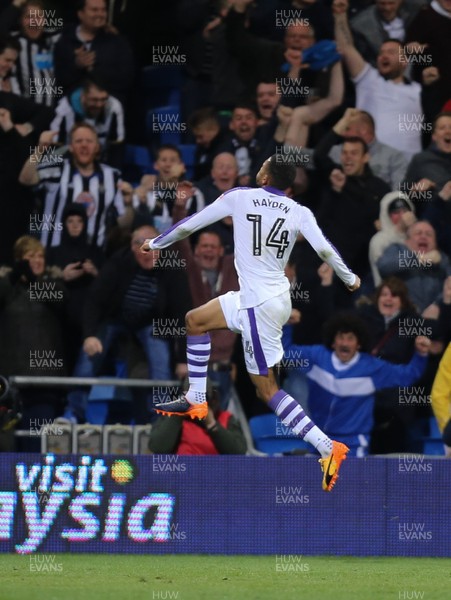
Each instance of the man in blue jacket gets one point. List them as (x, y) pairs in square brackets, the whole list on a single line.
[(343, 378)]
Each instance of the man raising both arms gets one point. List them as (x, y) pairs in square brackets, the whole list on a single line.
[(266, 224)]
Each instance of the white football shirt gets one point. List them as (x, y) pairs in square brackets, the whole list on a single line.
[(266, 224)]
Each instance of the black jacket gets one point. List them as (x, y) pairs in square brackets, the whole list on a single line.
[(114, 62), (106, 295), (347, 218)]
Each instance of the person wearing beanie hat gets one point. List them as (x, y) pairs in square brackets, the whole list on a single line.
[(80, 262), (395, 215)]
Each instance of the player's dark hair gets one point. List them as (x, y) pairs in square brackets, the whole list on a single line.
[(346, 323), (281, 173), (172, 147), (354, 139)]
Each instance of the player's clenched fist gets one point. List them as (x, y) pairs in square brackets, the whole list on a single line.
[(355, 286), (145, 247)]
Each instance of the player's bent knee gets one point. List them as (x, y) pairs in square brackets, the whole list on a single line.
[(191, 322)]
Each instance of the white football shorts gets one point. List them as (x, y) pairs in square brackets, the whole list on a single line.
[(260, 328)]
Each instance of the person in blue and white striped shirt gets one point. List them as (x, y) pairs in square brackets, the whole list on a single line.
[(79, 178)]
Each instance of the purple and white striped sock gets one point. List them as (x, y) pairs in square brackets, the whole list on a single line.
[(292, 415), (198, 349)]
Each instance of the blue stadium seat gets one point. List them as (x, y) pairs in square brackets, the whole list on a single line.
[(272, 437), (137, 162), (161, 85), (433, 443), (105, 399), (188, 151), (429, 437), (164, 124)]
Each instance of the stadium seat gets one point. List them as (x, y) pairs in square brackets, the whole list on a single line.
[(273, 438), (137, 162), (427, 437), (163, 125), (188, 152), (433, 443), (104, 401), (161, 85)]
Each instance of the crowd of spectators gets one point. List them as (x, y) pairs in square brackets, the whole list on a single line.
[(356, 93)]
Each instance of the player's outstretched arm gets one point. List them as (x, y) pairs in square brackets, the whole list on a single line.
[(315, 237), (222, 207)]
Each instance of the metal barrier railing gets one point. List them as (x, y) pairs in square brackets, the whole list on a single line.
[(48, 435), (33, 381)]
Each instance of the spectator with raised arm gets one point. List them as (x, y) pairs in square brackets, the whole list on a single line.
[(315, 110), (383, 20), (386, 162), (381, 91), (94, 105), (79, 178), (261, 58), (386, 314), (343, 378)]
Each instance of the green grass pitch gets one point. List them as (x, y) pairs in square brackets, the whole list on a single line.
[(183, 577)]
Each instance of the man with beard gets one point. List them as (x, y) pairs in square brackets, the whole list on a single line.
[(396, 104), (80, 179), (343, 378)]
